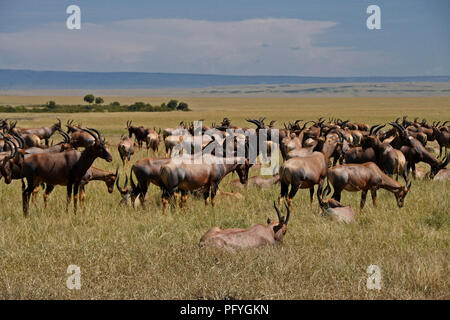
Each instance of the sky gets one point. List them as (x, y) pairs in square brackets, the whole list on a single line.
[(245, 37)]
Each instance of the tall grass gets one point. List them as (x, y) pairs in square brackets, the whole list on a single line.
[(141, 254)]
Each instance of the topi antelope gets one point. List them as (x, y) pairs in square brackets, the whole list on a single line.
[(390, 160), (126, 149), (257, 181), (172, 141), (81, 138), (152, 140), (65, 168), (358, 154), (147, 170), (42, 133), (443, 139), (333, 208), (415, 152), (140, 133), (255, 236), (12, 168), (365, 177), (186, 175), (130, 195), (61, 146), (306, 171), (11, 162), (442, 175), (91, 174)]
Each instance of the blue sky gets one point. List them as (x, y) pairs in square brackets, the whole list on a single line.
[(311, 37)]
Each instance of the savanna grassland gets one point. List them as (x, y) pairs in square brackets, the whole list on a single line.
[(141, 254)]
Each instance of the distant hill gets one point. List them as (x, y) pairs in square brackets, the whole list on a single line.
[(29, 80)]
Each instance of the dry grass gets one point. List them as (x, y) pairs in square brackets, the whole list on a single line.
[(142, 254)]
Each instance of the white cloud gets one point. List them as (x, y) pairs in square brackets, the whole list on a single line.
[(255, 46)]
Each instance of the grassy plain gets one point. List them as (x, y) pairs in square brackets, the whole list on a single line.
[(141, 254)]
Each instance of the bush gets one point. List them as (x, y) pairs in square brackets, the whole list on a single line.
[(99, 100), (51, 104), (89, 98), (183, 106), (172, 104), (139, 106)]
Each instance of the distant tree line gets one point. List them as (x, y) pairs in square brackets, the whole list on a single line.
[(52, 106)]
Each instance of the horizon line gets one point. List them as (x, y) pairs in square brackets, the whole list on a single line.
[(228, 75)]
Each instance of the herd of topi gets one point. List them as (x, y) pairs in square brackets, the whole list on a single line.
[(369, 158)]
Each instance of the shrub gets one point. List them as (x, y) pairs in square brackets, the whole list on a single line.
[(183, 106), (89, 98), (51, 104), (172, 104)]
